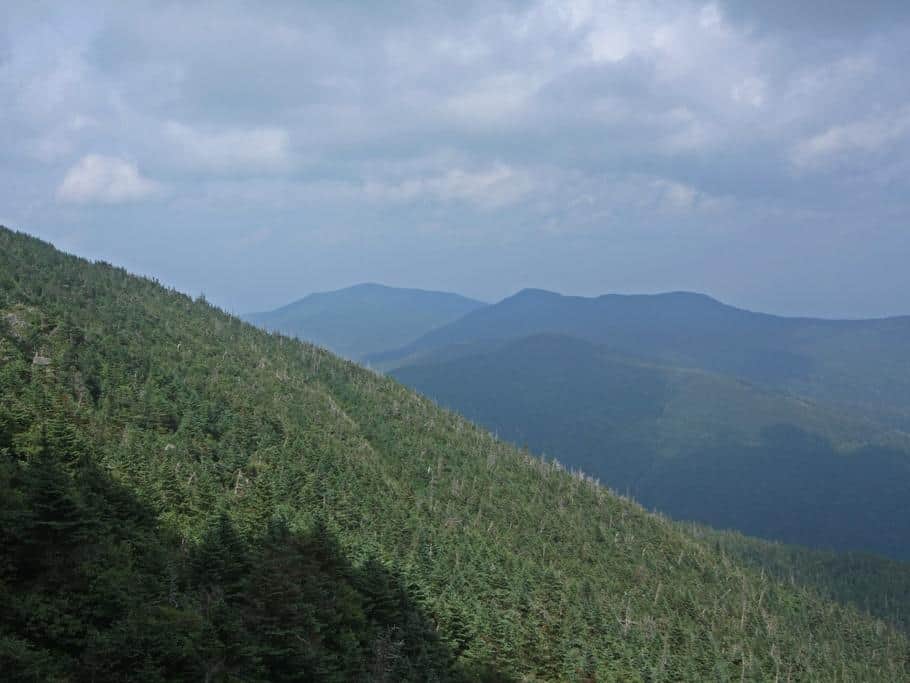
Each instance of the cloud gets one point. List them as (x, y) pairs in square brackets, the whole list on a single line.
[(494, 187), (751, 91), (866, 136), (106, 180), (616, 123), (234, 150), (253, 239), (676, 196), (825, 16), (493, 100)]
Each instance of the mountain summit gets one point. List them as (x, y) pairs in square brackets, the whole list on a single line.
[(366, 318), (853, 362)]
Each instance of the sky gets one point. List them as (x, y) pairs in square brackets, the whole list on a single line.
[(255, 152)]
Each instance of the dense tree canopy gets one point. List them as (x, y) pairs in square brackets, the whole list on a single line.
[(184, 497), (694, 444)]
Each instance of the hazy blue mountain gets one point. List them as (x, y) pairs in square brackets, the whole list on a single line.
[(694, 444), (864, 363), (366, 318)]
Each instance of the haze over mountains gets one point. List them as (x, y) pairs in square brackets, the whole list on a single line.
[(857, 362), (793, 429), (364, 319), (183, 496)]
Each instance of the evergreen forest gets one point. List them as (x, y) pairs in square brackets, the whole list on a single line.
[(186, 497)]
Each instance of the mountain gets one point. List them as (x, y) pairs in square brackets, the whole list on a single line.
[(365, 319), (186, 497), (858, 363), (693, 444), (875, 585)]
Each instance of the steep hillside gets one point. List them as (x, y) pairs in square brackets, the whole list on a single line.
[(693, 444), (365, 319), (184, 497), (861, 363), (875, 585)]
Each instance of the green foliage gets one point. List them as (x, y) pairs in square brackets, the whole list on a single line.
[(696, 445), (184, 497), (875, 585)]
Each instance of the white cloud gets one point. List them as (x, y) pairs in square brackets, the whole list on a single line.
[(675, 196), (440, 113), (494, 187), (498, 186), (686, 132), (494, 99), (234, 150), (610, 44), (104, 179), (749, 91), (867, 136), (709, 16)]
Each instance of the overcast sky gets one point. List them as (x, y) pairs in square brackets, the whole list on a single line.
[(755, 151)]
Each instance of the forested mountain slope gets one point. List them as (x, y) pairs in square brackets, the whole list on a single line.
[(874, 584), (184, 497), (364, 319), (694, 444), (861, 363)]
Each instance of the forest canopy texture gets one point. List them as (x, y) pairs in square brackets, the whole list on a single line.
[(184, 497)]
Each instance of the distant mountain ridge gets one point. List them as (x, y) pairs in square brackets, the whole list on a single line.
[(855, 362), (365, 318)]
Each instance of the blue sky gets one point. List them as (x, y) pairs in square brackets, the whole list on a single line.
[(758, 152)]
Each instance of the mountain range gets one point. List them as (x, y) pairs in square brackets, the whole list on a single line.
[(794, 429), (858, 363), (185, 497), (364, 319)]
